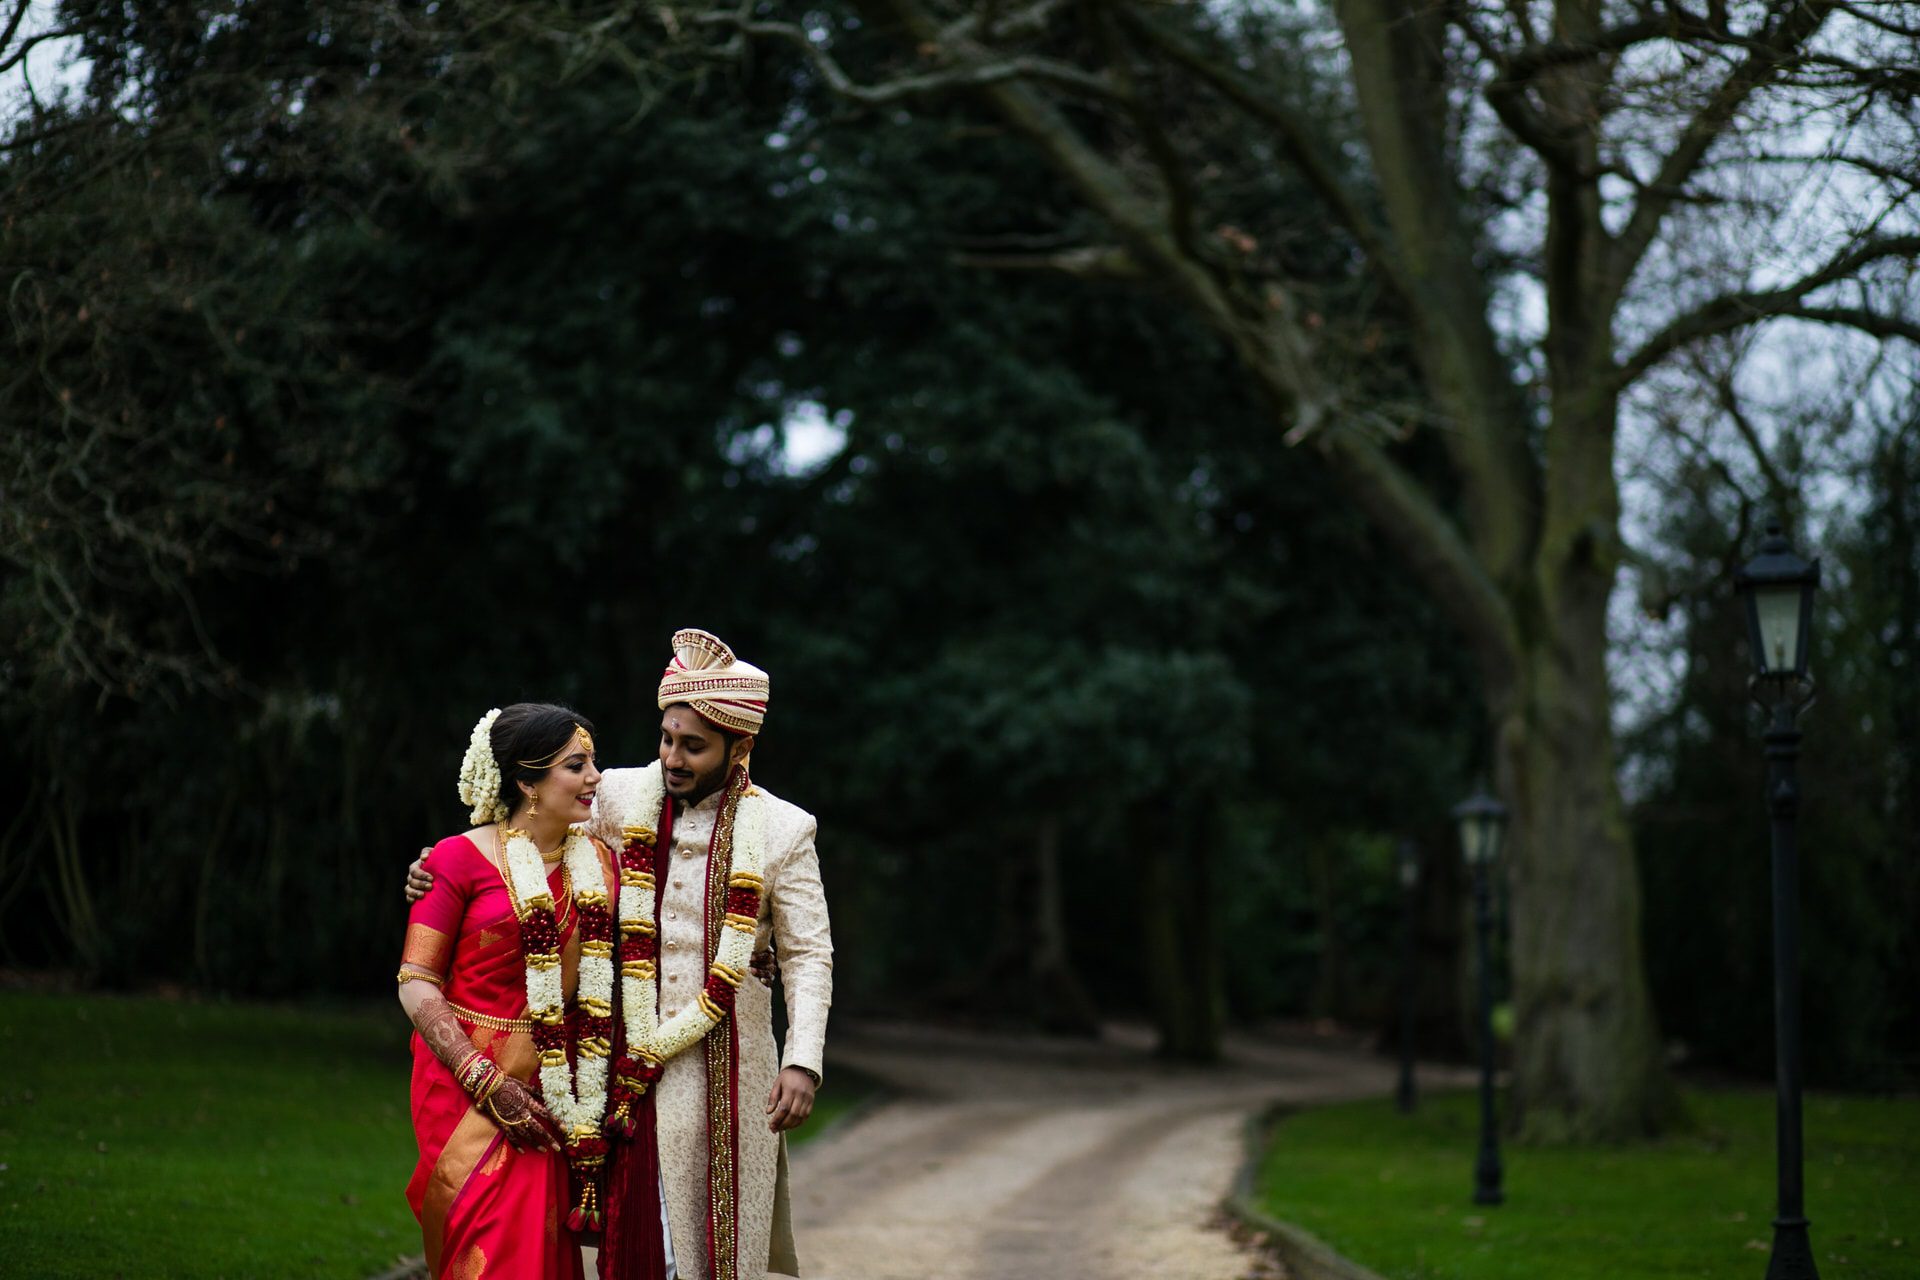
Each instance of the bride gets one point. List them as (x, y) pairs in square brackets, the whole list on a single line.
[(491, 970)]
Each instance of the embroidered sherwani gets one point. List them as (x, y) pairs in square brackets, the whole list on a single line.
[(793, 917)]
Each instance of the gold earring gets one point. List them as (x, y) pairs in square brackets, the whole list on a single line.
[(533, 805)]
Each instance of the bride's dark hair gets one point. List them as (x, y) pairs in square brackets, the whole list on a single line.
[(530, 731)]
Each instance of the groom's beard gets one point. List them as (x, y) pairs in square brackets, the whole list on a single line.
[(704, 785)]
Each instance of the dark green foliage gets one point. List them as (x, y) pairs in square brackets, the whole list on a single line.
[(1702, 828), (469, 380)]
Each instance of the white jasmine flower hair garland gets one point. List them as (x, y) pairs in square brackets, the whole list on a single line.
[(480, 774)]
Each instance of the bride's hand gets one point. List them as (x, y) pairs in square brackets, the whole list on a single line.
[(525, 1121)]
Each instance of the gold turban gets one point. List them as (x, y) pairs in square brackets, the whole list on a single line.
[(705, 675)]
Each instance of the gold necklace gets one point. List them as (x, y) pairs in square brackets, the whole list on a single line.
[(563, 914)]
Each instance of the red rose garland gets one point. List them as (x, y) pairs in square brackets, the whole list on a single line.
[(587, 1153), (635, 1071)]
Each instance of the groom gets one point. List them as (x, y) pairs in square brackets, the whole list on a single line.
[(723, 1176)]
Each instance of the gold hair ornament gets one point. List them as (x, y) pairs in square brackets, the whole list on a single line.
[(586, 742)]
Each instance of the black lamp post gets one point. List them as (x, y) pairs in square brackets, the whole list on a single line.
[(1483, 821), (1409, 863), (1777, 587)]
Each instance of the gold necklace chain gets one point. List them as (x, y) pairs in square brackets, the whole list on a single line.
[(563, 910)]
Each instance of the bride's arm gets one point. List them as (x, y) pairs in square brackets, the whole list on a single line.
[(431, 927), (521, 1117)]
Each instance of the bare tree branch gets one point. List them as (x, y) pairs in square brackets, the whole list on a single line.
[(988, 24), (1089, 262), (19, 55), (1865, 13), (1298, 136), (1146, 121), (1397, 51), (1875, 323), (1765, 58), (1779, 492), (20, 8), (1524, 65), (1732, 311), (1434, 546), (1507, 95), (973, 73)]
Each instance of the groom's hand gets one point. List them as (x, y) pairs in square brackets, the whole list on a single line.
[(791, 1101), (419, 880)]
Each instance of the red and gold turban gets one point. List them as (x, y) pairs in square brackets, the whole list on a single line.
[(705, 675)]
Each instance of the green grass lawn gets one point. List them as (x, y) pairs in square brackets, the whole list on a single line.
[(156, 1138), (1394, 1193), (160, 1138)]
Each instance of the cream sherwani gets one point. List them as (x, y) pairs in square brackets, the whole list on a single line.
[(793, 916)]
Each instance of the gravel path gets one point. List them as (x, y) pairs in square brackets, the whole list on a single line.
[(1012, 1158)]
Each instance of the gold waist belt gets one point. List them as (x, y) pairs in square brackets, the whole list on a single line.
[(489, 1021)]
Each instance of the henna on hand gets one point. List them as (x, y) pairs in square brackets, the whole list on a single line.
[(523, 1118), (441, 1032)]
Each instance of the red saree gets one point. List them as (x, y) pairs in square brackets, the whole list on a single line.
[(485, 1210)]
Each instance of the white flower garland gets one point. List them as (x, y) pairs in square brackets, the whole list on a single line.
[(480, 774), (640, 984), (576, 1095)]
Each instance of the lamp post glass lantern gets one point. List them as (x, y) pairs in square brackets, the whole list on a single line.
[(1483, 822), (1777, 588)]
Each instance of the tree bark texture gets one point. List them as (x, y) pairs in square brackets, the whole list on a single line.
[(1587, 1061)]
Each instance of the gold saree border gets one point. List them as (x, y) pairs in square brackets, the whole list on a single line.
[(427, 948), (466, 1147)]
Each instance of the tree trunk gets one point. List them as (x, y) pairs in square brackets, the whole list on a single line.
[(1029, 955), (1061, 999), (71, 888), (1329, 998), (1587, 1059), (1177, 935)]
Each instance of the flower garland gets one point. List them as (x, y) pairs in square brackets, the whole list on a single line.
[(650, 1044), (575, 1094), (480, 774)]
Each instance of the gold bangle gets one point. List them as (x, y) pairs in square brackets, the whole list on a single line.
[(473, 1071), (410, 975)]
